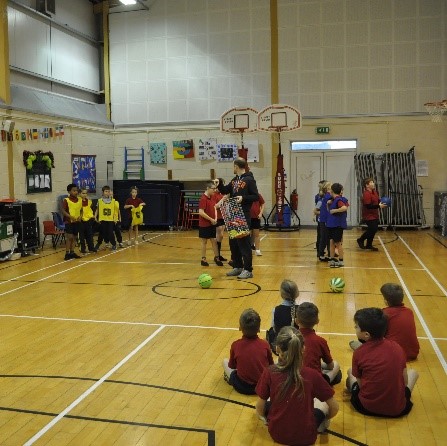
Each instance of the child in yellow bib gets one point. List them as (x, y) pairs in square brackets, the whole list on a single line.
[(87, 218), (71, 210), (135, 207), (117, 223), (104, 214)]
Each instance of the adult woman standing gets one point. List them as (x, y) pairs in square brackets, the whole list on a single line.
[(370, 214)]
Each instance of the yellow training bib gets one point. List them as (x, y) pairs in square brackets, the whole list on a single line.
[(137, 216)]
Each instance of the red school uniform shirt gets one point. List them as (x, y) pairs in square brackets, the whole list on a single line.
[(217, 197), (135, 202), (250, 356), (316, 349), (402, 329), (207, 204), (370, 197), (291, 421), (379, 364), (256, 207)]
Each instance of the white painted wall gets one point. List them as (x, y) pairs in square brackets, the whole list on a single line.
[(394, 134), (186, 61), (39, 47)]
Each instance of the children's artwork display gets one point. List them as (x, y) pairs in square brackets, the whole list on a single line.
[(84, 171), (157, 152), (207, 149), (183, 149), (226, 152), (38, 170)]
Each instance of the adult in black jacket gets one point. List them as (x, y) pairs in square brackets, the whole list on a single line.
[(243, 186)]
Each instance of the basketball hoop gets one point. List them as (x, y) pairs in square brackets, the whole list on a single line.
[(239, 120), (278, 118), (436, 109)]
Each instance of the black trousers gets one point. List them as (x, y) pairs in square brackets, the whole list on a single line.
[(106, 233), (117, 232), (241, 253), (86, 235), (324, 240), (371, 228)]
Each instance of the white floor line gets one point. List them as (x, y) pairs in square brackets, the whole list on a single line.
[(78, 264), (148, 324), (33, 272), (424, 267), (416, 310), (68, 409)]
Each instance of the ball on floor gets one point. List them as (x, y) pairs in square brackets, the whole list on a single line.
[(337, 284), (205, 280)]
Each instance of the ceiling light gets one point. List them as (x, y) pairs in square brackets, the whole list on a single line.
[(128, 2)]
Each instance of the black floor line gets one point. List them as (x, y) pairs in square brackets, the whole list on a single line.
[(439, 241), (211, 433)]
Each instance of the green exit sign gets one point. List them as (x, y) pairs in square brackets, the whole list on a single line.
[(322, 130)]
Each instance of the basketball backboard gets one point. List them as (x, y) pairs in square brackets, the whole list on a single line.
[(279, 118), (239, 120)]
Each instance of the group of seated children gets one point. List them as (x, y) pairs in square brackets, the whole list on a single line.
[(79, 217), (300, 382)]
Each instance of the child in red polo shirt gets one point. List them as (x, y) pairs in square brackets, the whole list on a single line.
[(248, 355), (207, 223), (379, 381), (317, 354), (301, 401), (401, 325)]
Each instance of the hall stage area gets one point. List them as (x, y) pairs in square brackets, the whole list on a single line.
[(125, 348)]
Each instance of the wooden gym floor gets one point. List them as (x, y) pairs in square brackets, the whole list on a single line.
[(125, 349)]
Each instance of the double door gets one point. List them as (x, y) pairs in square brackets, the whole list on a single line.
[(309, 167)]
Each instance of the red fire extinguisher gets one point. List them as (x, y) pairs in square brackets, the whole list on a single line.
[(294, 200)]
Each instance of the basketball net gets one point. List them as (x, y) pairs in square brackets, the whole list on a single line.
[(242, 152), (436, 109)]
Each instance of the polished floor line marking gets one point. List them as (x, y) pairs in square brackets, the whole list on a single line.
[(424, 267), (149, 324), (91, 389), (416, 309), (56, 274), (257, 265)]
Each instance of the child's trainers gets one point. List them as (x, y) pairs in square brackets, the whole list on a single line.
[(323, 425), (113, 248), (67, 256), (203, 262), (217, 261), (258, 252), (333, 264), (121, 245)]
